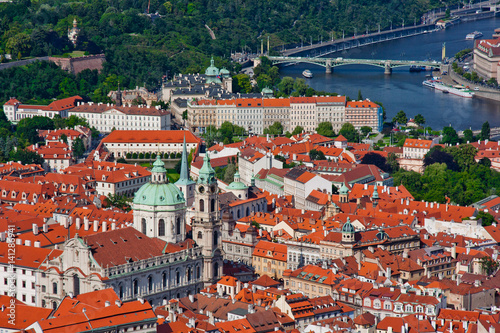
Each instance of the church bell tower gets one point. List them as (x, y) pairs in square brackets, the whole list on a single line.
[(207, 223)]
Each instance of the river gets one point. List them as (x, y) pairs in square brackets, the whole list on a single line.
[(404, 90)]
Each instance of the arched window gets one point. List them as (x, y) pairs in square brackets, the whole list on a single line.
[(143, 226), (189, 273), (202, 205), (216, 269), (120, 291), (135, 287), (178, 226), (54, 305), (177, 277), (76, 285), (164, 280), (150, 283), (54, 288), (216, 238), (200, 235), (43, 303), (212, 205), (238, 214), (248, 211), (198, 272), (161, 227)]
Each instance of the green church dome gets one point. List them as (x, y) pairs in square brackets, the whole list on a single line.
[(343, 189), (237, 185), (160, 194), (212, 70), (348, 227)]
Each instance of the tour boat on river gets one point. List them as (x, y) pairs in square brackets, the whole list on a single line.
[(307, 74), (446, 88), (473, 35)]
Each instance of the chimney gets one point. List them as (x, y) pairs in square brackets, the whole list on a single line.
[(37, 244), (27, 242), (118, 303), (113, 226), (86, 223), (492, 329), (78, 223), (96, 226), (2, 236), (468, 250), (389, 329), (35, 229), (104, 226), (454, 251)]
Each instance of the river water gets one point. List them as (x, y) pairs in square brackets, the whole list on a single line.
[(404, 90)]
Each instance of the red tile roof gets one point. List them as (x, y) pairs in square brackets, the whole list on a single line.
[(123, 136)]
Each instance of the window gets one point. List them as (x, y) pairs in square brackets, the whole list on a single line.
[(178, 226), (54, 288), (150, 283), (202, 205), (161, 227), (143, 226), (200, 235), (177, 277), (135, 287)]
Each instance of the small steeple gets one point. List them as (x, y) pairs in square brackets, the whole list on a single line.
[(252, 180), (158, 172), (375, 196), (207, 173)]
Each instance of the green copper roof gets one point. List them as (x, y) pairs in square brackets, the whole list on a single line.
[(348, 227), (224, 71), (375, 193), (158, 165), (266, 90), (207, 173), (237, 185), (344, 189), (212, 70), (184, 176), (158, 195)]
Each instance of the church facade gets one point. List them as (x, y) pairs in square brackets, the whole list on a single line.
[(153, 259)]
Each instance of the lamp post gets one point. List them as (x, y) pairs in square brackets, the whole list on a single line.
[(403, 23), (391, 24), (379, 28), (366, 29)]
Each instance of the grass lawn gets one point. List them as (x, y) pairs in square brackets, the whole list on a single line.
[(172, 175)]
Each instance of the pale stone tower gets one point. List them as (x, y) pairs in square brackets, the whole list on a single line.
[(159, 207), (207, 223), (348, 232), (185, 184)]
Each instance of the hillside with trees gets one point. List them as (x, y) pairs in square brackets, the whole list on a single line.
[(140, 49)]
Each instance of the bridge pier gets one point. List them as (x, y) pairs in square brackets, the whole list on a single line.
[(329, 67), (388, 69)]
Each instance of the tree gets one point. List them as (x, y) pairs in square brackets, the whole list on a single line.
[(229, 173), (487, 218), (185, 115), (400, 118), (118, 201), (78, 147), (438, 155), (300, 86), (349, 132), (488, 265), (316, 155), (419, 120), (365, 130), (377, 160), (392, 162), (64, 138), (286, 85), (485, 131), (468, 135), (27, 157), (326, 129), (450, 136), (274, 129), (298, 130), (360, 96)]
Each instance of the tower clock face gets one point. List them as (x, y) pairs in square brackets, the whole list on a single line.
[(201, 189)]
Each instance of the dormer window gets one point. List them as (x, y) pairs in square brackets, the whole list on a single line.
[(13, 194), (24, 195), (4, 193)]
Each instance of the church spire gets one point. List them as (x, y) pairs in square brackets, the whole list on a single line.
[(184, 167)]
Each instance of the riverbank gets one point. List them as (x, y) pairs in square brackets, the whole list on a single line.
[(483, 92)]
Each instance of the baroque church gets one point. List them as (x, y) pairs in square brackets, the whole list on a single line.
[(152, 259)]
